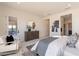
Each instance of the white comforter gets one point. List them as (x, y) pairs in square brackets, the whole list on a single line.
[(71, 51), (56, 47)]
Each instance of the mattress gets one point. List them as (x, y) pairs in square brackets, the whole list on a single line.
[(71, 51)]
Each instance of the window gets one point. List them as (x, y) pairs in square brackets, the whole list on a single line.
[(12, 25)]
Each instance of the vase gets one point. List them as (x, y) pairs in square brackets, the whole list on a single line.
[(29, 30)]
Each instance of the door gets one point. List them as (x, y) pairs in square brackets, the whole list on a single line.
[(44, 28), (47, 26)]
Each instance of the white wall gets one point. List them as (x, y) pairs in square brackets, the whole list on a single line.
[(3, 25), (75, 20), (22, 19), (42, 26)]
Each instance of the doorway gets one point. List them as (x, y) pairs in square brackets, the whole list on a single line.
[(66, 25), (45, 27)]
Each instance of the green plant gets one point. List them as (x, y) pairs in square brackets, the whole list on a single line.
[(29, 28)]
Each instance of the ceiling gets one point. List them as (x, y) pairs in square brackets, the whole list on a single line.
[(41, 8)]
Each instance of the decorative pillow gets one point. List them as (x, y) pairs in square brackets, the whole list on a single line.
[(1, 40), (9, 39), (72, 40)]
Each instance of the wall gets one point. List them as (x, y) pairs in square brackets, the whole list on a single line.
[(75, 20), (42, 26), (2, 25), (22, 19)]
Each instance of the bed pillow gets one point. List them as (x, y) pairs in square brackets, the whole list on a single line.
[(77, 44), (72, 40)]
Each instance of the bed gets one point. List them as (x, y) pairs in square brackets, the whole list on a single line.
[(58, 46), (51, 46), (71, 51)]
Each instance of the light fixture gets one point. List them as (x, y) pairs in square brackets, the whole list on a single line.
[(68, 6), (18, 2)]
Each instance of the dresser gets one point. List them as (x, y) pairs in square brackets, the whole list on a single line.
[(31, 35)]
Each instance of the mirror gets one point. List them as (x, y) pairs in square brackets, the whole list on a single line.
[(66, 25)]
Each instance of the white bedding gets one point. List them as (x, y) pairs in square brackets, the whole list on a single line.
[(56, 47), (71, 52)]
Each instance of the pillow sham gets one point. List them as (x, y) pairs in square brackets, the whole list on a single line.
[(72, 40), (77, 44)]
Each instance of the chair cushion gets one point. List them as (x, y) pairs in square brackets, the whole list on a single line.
[(5, 48)]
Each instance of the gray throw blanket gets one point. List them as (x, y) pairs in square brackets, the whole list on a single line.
[(43, 45)]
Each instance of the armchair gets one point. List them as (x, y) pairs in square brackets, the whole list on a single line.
[(8, 49)]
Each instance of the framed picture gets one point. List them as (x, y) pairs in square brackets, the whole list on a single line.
[(55, 26)]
